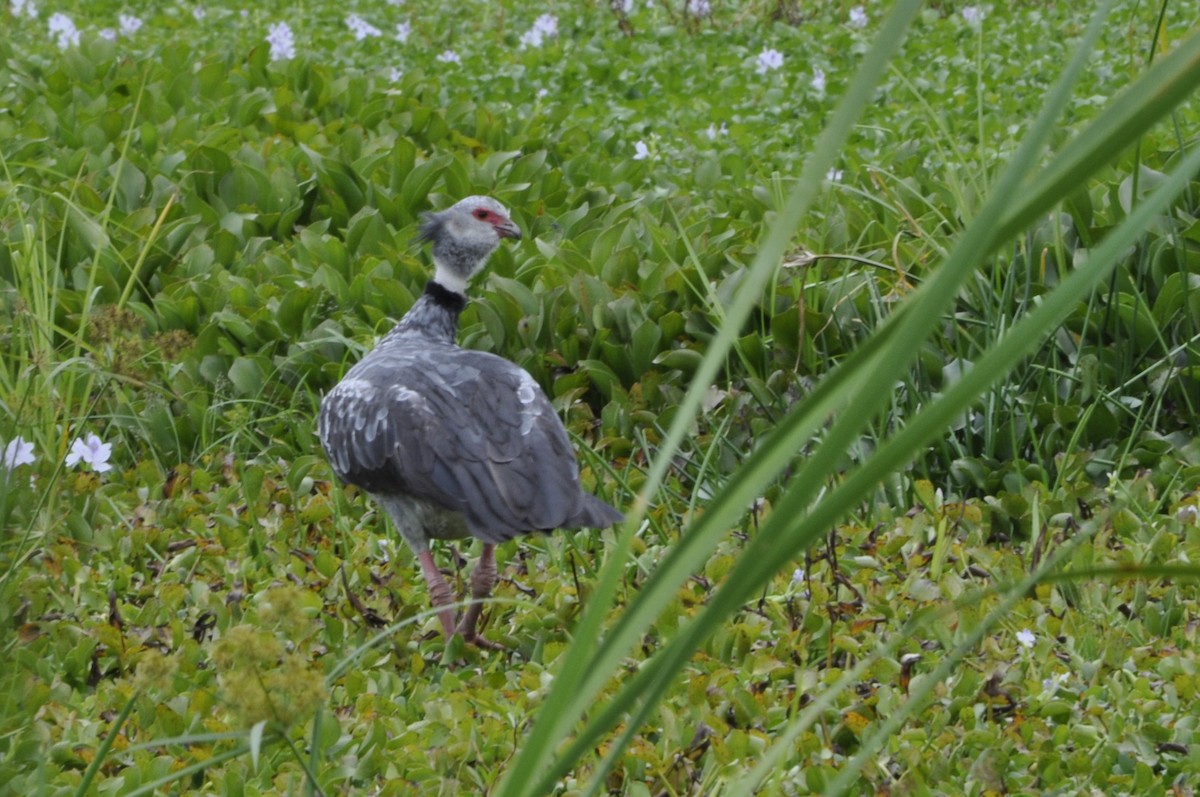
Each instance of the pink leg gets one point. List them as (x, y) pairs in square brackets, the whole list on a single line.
[(439, 591), (482, 580)]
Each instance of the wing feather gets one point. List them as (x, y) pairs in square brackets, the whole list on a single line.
[(464, 429)]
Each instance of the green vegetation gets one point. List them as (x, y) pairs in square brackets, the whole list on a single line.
[(890, 347)]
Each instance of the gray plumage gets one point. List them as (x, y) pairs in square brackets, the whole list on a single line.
[(454, 442)]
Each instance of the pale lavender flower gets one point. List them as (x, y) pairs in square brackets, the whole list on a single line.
[(768, 60), (547, 24), (818, 79), (403, 31), (283, 44), (91, 452), (858, 17), (395, 74), (698, 8), (108, 34), (798, 576), (198, 13), (61, 26), (973, 15), (395, 2), (19, 451), (714, 131), (23, 8), (1026, 637), (641, 151), (544, 27), (129, 24), (531, 38), (361, 28), (626, 6), (1050, 685), (543, 93), (449, 57), (834, 175)]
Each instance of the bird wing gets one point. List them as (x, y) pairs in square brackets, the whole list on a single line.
[(468, 430)]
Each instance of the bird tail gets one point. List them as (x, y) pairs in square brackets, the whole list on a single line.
[(593, 513)]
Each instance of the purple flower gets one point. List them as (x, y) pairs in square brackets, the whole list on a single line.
[(641, 151), (403, 31), (858, 17), (449, 57)]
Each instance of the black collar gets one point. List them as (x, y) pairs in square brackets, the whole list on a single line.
[(444, 297)]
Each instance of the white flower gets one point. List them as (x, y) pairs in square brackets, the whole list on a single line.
[(361, 28), (798, 576), (23, 7), (858, 17), (19, 451), (395, 2), (641, 151), (973, 15), (626, 6), (543, 93), (61, 26), (714, 131), (108, 34), (834, 175), (403, 31), (129, 24), (198, 13), (818, 79), (698, 8), (449, 57), (768, 60), (91, 452), (283, 45), (394, 74), (1026, 637)]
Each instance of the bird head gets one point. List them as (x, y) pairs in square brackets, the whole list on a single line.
[(464, 236)]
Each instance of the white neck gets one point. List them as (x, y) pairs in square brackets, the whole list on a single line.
[(448, 279)]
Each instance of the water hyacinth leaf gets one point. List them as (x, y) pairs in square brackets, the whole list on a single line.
[(247, 376), (420, 180)]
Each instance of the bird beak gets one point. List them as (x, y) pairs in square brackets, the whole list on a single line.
[(506, 229)]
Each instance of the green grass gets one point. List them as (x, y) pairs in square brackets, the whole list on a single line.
[(908, 451)]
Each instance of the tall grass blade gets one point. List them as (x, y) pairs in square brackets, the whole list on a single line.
[(781, 537), (587, 667)]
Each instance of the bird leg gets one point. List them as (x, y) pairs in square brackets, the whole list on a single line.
[(483, 578), (439, 591)]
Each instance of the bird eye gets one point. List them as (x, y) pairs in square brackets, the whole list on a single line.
[(481, 214)]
